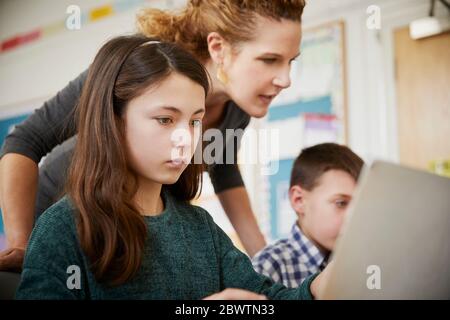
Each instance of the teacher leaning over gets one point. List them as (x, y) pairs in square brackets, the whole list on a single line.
[(246, 45)]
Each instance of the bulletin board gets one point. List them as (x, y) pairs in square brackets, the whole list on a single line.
[(313, 110)]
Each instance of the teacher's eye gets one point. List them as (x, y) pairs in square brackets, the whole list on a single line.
[(196, 123), (269, 60), (164, 121)]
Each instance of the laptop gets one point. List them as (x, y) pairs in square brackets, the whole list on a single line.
[(395, 239)]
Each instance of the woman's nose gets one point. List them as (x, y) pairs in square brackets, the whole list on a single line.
[(283, 79)]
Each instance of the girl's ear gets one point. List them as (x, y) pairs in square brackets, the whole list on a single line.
[(297, 199), (217, 47)]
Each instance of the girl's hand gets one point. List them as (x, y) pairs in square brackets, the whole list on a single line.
[(318, 284), (236, 294)]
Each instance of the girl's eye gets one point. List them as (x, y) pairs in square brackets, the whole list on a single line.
[(164, 121), (196, 123)]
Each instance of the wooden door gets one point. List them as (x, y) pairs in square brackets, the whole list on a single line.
[(423, 98)]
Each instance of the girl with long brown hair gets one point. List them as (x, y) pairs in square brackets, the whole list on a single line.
[(125, 229)]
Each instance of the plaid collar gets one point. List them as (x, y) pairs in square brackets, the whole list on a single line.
[(306, 248)]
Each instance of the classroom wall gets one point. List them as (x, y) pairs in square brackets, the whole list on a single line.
[(36, 71)]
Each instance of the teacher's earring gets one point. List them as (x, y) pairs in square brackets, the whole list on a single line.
[(221, 75)]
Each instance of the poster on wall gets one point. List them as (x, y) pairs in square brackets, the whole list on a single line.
[(318, 78)]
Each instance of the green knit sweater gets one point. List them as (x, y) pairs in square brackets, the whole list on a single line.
[(186, 256)]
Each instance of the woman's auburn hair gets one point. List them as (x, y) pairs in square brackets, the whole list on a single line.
[(235, 20), (112, 233)]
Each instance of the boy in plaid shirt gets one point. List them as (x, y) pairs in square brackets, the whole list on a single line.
[(322, 182)]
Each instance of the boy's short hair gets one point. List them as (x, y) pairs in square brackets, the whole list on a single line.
[(314, 161)]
